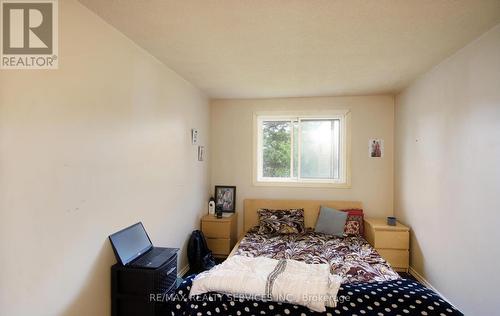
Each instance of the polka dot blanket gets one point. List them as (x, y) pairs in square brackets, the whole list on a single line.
[(393, 297)]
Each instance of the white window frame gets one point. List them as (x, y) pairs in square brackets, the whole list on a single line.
[(344, 181)]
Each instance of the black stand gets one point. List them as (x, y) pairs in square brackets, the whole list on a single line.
[(138, 292)]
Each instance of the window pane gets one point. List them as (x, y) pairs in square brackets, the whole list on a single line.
[(295, 148), (276, 149), (319, 157)]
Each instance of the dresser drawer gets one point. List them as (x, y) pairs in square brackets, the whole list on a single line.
[(396, 258), (391, 239), (219, 246), (216, 229)]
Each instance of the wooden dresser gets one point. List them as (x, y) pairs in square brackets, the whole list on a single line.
[(391, 242), (220, 233)]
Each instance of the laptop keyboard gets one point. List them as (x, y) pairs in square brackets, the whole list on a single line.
[(147, 257), (142, 261)]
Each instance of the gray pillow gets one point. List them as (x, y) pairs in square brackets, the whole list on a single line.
[(331, 221)]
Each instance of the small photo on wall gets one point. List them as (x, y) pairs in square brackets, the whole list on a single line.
[(201, 153), (376, 148), (225, 198)]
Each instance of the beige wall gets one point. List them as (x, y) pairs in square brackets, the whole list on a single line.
[(372, 179), (447, 174), (85, 150)]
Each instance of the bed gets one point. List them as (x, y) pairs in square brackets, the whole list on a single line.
[(369, 285)]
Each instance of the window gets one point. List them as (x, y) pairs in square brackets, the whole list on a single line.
[(302, 149)]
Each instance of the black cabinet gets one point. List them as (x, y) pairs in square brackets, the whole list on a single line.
[(135, 291)]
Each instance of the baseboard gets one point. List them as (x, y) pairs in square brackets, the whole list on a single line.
[(183, 271), (427, 284), (422, 280)]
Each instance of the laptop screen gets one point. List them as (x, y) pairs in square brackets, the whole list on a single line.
[(130, 243)]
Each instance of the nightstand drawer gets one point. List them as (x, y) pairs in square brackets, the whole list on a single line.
[(219, 246), (396, 258), (216, 229), (391, 239)]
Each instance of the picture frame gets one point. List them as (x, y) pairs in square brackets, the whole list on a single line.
[(376, 148), (201, 153), (225, 198)]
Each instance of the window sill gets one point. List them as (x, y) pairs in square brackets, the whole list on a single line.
[(333, 185)]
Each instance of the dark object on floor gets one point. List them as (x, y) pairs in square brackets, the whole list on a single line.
[(406, 275), (199, 256), (138, 291), (220, 260)]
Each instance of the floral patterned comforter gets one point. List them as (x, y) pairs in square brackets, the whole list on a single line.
[(350, 257)]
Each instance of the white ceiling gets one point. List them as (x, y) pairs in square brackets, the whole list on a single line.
[(287, 48)]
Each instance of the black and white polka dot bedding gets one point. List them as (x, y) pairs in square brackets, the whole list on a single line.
[(395, 297)]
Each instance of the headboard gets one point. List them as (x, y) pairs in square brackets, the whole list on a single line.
[(311, 209)]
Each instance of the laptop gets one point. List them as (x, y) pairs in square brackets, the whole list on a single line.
[(133, 248)]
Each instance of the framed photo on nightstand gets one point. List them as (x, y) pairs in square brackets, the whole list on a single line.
[(225, 197)]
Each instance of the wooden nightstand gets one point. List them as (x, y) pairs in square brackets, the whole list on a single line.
[(391, 242), (220, 234)]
